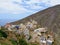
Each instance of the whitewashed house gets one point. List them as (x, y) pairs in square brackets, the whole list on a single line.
[(22, 26), (26, 33), (40, 30), (8, 26), (29, 25)]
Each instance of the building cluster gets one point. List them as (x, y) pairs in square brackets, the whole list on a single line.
[(39, 34)]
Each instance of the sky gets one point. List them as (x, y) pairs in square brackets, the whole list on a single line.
[(12, 10)]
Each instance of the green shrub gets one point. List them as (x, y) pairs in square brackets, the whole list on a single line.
[(13, 42), (30, 37), (3, 34), (23, 42)]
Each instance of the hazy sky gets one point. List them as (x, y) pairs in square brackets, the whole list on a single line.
[(18, 9)]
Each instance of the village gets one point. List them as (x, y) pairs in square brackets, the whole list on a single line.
[(32, 32)]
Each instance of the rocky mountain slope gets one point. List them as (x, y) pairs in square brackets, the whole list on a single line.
[(46, 18)]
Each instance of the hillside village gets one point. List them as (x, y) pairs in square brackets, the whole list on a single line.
[(41, 28), (31, 32)]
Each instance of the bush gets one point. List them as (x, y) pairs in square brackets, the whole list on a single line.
[(3, 44), (3, 34), (23, 42), (13, 42), (30, 37)]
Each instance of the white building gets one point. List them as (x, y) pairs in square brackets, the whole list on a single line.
[(26, 33), (40, 30)]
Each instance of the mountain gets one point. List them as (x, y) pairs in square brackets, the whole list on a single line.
[(49, 17)]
